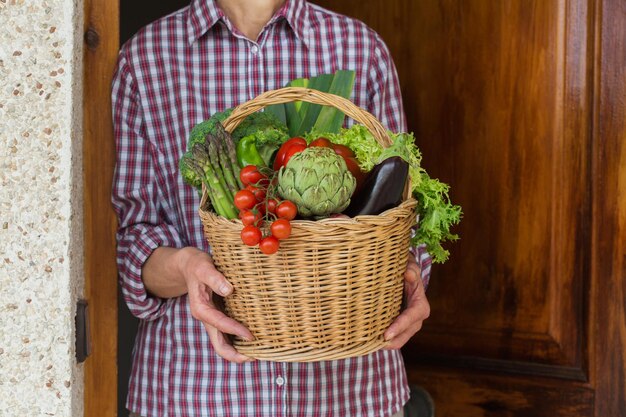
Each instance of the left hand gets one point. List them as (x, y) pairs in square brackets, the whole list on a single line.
[(417, 309)]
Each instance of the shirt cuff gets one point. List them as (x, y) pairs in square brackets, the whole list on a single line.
[(135, 245), (424, 261)]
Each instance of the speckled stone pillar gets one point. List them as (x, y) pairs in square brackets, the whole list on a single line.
[(41, 268)]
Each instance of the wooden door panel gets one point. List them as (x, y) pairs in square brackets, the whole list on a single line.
[(484, 395), (496, 94)]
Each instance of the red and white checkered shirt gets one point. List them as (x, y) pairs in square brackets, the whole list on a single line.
[(173, 74)]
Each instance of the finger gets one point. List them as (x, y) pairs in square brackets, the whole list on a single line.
[(201, 267), (401, 339), (203, 309), (412, 273), (418, 310), (223, 347)]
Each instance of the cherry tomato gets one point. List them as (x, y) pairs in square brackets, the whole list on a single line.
[(251, 235), (249, 217), (280, 155), (244, 200), (286, 210), (269, 245), (259, 193), (250, 175), (321, 142), (343, 150), (271, 205), (291, 151), (281, 229)]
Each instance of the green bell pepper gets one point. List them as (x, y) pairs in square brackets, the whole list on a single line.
[(247, 153)]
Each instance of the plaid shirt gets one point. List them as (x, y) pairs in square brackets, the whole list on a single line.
[(173, 74)]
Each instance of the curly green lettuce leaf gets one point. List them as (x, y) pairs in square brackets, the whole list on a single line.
[(436, 212)]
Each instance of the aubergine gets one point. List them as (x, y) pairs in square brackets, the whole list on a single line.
[(382, 188)]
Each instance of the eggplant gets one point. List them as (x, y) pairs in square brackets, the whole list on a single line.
[(382, 188)]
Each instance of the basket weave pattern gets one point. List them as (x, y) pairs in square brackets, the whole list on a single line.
[(334, 286)]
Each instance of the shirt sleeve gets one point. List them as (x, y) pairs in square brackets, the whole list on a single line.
[(141, 225), (386, 104)]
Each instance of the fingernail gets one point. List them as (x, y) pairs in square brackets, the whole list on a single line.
[(225, 289), (389, 336)]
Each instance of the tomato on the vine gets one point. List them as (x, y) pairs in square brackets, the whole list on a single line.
[(251, 235), (259, 193), (279, 160), (271, 205), (249, 217), (343, 150), (287, 210), (291, 151), (281, 229), (250, 175), (269, 245), (321, 142), (244, 200)]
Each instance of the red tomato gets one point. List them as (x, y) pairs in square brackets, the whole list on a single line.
[(291, 151), (321, 142), (280, 155), (269, 245), (249, 217), (343, 150), (286, 210), (250, 175), (251, 235), (259, 193), (244, 200), (355, 170), (271, 205), (281, 229)]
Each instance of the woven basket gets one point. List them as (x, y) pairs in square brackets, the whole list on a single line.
[(334, 286)]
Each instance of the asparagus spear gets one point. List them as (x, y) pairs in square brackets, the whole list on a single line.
[(221, 199), (215, 164), (224, 137), (225, 164)]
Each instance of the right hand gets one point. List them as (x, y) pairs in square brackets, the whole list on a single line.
[(202, 281)]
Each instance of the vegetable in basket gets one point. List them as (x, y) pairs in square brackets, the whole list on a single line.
[(261, 141), (213, 163), (382, 189), (317, 180), (262, 129), (436, 213)]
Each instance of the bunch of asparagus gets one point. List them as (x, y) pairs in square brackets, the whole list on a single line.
[(214, 162)]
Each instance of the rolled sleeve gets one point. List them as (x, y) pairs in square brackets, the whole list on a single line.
[(424, 260), (143, 224)]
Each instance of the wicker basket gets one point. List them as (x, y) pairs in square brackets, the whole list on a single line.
[(334, 286)]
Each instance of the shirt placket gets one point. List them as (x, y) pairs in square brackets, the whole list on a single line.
[(280, 385), (256, 80)]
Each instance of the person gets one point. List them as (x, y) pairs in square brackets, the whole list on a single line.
[(171, 75)]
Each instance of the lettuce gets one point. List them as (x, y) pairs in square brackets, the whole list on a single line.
[(436, 213)]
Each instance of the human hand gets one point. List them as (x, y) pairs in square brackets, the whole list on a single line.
[(202, 280), (417, 309)]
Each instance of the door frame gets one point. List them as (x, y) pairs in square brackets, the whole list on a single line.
[(100, 49), (606, 342)]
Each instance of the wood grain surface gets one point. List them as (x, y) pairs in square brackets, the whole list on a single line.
[(519, 106), (100, 54)]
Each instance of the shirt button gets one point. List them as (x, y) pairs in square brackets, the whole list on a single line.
[(254, 49), (280, 381)]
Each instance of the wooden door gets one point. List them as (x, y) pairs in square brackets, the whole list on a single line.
[(519, 105)]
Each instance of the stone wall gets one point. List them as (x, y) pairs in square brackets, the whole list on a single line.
[(41, 268)]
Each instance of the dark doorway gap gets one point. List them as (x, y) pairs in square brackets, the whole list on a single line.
[(134, 14)]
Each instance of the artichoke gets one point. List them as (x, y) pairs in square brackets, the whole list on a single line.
[(318, 181)]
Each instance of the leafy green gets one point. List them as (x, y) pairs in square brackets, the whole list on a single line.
[(436, 213), (265, 126)]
